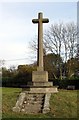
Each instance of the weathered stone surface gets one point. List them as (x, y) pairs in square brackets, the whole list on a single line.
[(40, 22), (41, 90), (39, 76), (39, 84), (46, 107), (29, 103), (19, 102)]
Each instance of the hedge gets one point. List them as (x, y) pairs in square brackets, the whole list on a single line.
[(63, 84), (12, 82), (18, 82)]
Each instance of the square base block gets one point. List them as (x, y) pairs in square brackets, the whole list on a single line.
[(39, 76)]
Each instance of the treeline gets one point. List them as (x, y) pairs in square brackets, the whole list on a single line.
[(19, 77)]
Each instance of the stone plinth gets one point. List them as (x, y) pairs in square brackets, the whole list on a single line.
[(39, 84), (40, 76), (41, 90)]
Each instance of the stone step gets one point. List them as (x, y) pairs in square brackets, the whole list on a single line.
[(33, 106), (33, 99), (34, 95), (32, 103), (27, 111)]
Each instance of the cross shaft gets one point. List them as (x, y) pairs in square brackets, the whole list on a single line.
[(40, 22)]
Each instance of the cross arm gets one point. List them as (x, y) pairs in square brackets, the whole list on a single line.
[(35, 20), (46, 20)]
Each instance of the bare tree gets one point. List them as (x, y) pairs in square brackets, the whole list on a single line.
[(53, 41), (2, 62), (61, 39), (72, 39)]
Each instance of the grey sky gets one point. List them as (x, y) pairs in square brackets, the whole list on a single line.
[(17, 29)]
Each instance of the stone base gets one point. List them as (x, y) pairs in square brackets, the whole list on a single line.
[(40, 90), (39, 84), (34, 100), (40, 76)]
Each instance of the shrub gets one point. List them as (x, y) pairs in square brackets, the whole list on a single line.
[(62, 84)]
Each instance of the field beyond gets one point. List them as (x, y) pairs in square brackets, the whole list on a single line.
[(63, 104)]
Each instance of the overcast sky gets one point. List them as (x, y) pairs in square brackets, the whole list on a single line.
[(17, 29)]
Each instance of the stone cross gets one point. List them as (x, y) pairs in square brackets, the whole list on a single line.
[(39, 90), (40, 22)]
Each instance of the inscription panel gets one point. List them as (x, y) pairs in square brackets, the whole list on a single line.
[(41, 76)]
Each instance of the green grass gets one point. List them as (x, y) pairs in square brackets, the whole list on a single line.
[(63, 104)]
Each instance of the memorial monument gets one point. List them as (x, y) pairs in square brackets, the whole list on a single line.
[(35, 97)]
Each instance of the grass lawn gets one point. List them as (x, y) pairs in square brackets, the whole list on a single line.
[(63, 104)]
